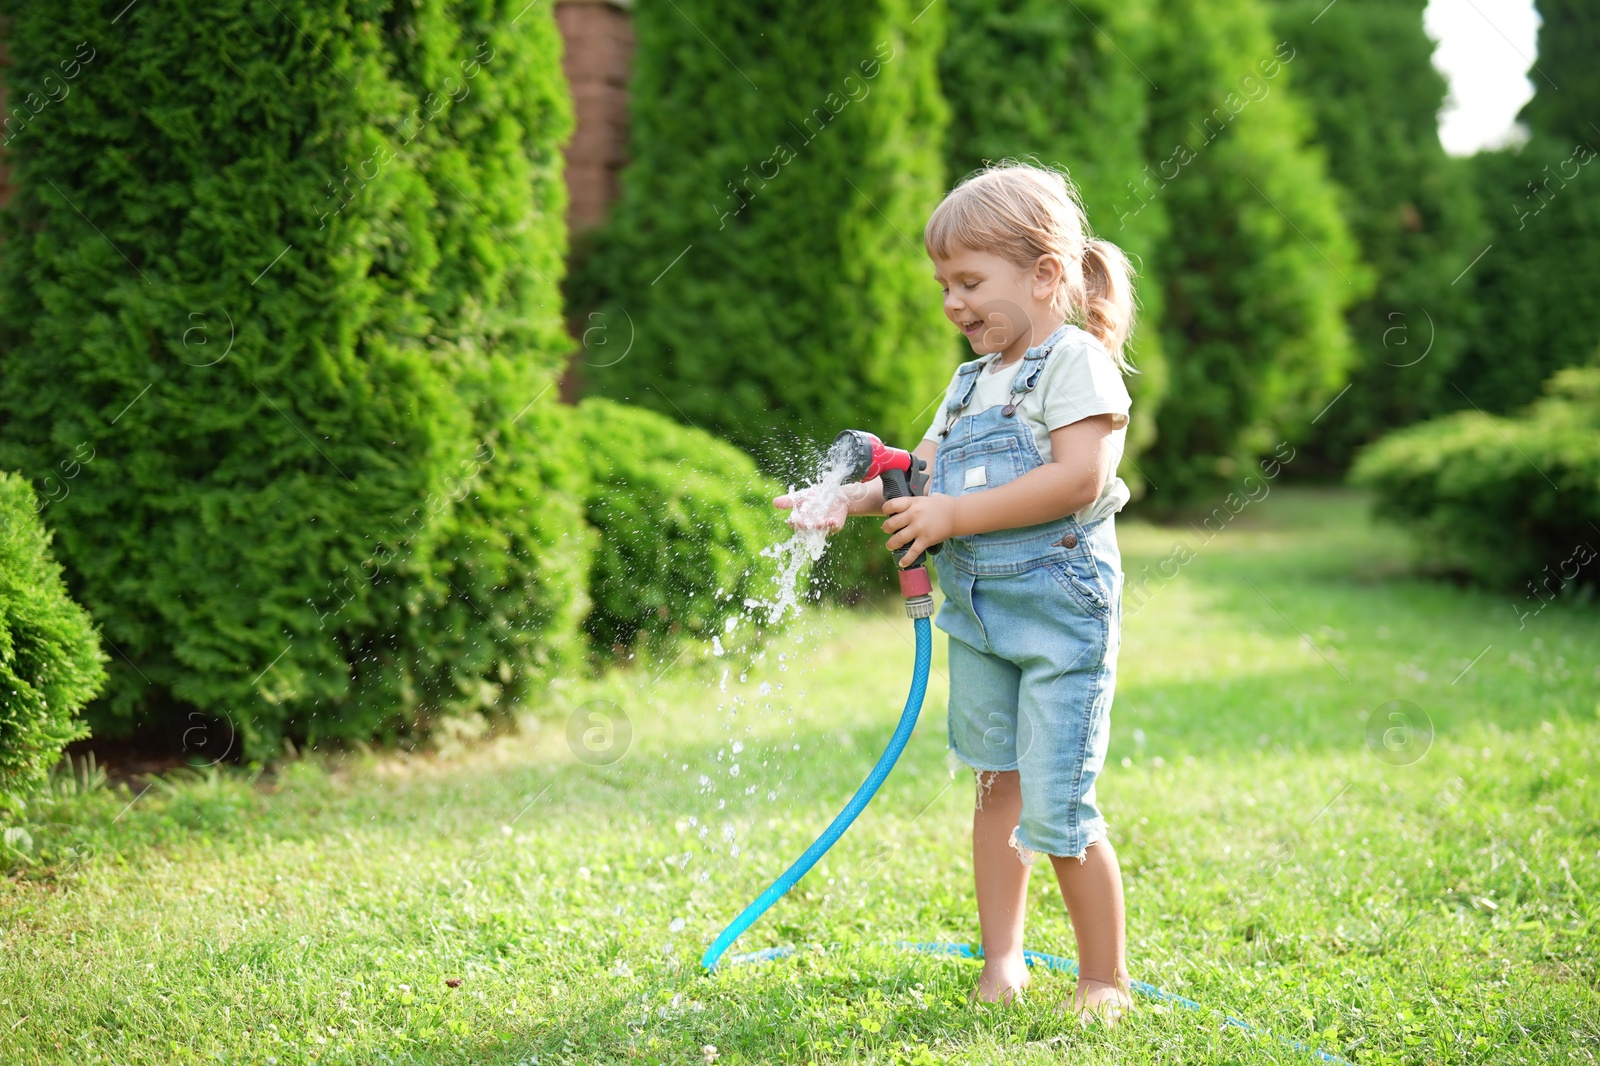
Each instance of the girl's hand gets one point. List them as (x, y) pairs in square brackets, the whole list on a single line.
[(810, 511), (919, 522)]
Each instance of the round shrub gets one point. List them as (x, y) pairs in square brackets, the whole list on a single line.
[(683, 519), (1514, 501), (50, 657)]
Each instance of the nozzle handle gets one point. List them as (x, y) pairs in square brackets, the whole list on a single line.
[(896, 484)]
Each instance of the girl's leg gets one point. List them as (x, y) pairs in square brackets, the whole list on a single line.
[(1002, 882), (1092, 891)]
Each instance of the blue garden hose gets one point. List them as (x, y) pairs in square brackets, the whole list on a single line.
[(858, 803)]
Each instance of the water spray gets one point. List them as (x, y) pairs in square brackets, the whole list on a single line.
[(862, 456)]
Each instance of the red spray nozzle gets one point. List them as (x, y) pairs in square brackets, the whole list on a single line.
[(865, 457)]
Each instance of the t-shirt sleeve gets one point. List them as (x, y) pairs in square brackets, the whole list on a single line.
[(938, 410), (1082, 380)]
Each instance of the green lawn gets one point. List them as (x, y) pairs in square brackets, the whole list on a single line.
[(1422, 888)]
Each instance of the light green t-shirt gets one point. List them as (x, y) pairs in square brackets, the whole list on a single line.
[(1080, 379)]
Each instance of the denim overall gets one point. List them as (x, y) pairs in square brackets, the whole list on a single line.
[(1033, 616)]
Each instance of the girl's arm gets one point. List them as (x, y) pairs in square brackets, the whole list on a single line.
[(1082, 458)]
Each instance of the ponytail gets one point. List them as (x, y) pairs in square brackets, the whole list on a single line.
[(1108, 298)]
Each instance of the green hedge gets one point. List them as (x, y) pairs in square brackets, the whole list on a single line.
[(763, 269), (1035, 78), (1515, 501), (1364, 69), (683, 519), (289, 271), (1260, 265), (50, 658)]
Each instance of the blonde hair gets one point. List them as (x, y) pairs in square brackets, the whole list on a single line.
[(1020, 212)]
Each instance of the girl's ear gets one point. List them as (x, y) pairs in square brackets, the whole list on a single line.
[(1047, 275)]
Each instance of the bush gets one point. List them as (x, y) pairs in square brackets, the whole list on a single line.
[(1036, 78), (50, 657), (764, 259), (683, 519), (1365, 72), (289, 274), (1511, 500), (1261, 265)]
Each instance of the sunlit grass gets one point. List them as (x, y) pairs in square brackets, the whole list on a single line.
[(1295, 854)]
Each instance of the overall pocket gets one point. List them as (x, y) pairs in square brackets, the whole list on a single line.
[(1087, 592)]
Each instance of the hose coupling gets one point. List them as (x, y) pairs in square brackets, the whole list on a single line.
[(916, 587)]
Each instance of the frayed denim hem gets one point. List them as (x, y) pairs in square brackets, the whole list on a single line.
[(985, 774), (1092, 834)]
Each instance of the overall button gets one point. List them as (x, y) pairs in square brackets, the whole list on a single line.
[(1068, 541)]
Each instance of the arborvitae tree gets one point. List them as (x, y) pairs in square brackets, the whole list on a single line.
[(1260, 265), (1565, 76), (1536, 284), (1364, 70), (790, 159), (280, 283), (1035, 78), (763, 270)]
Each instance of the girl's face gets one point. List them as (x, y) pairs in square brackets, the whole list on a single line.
[(998, 306)]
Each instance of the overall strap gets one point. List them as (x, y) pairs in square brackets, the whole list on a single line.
[(1033, 362), (1026, 379), (960, 393)]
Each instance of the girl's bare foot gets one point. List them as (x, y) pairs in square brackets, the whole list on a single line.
[(1001, 982), (1098, 1001)]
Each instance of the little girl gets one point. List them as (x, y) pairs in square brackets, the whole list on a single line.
[(1024, 454)]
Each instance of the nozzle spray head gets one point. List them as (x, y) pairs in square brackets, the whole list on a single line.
[(864, 457)]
